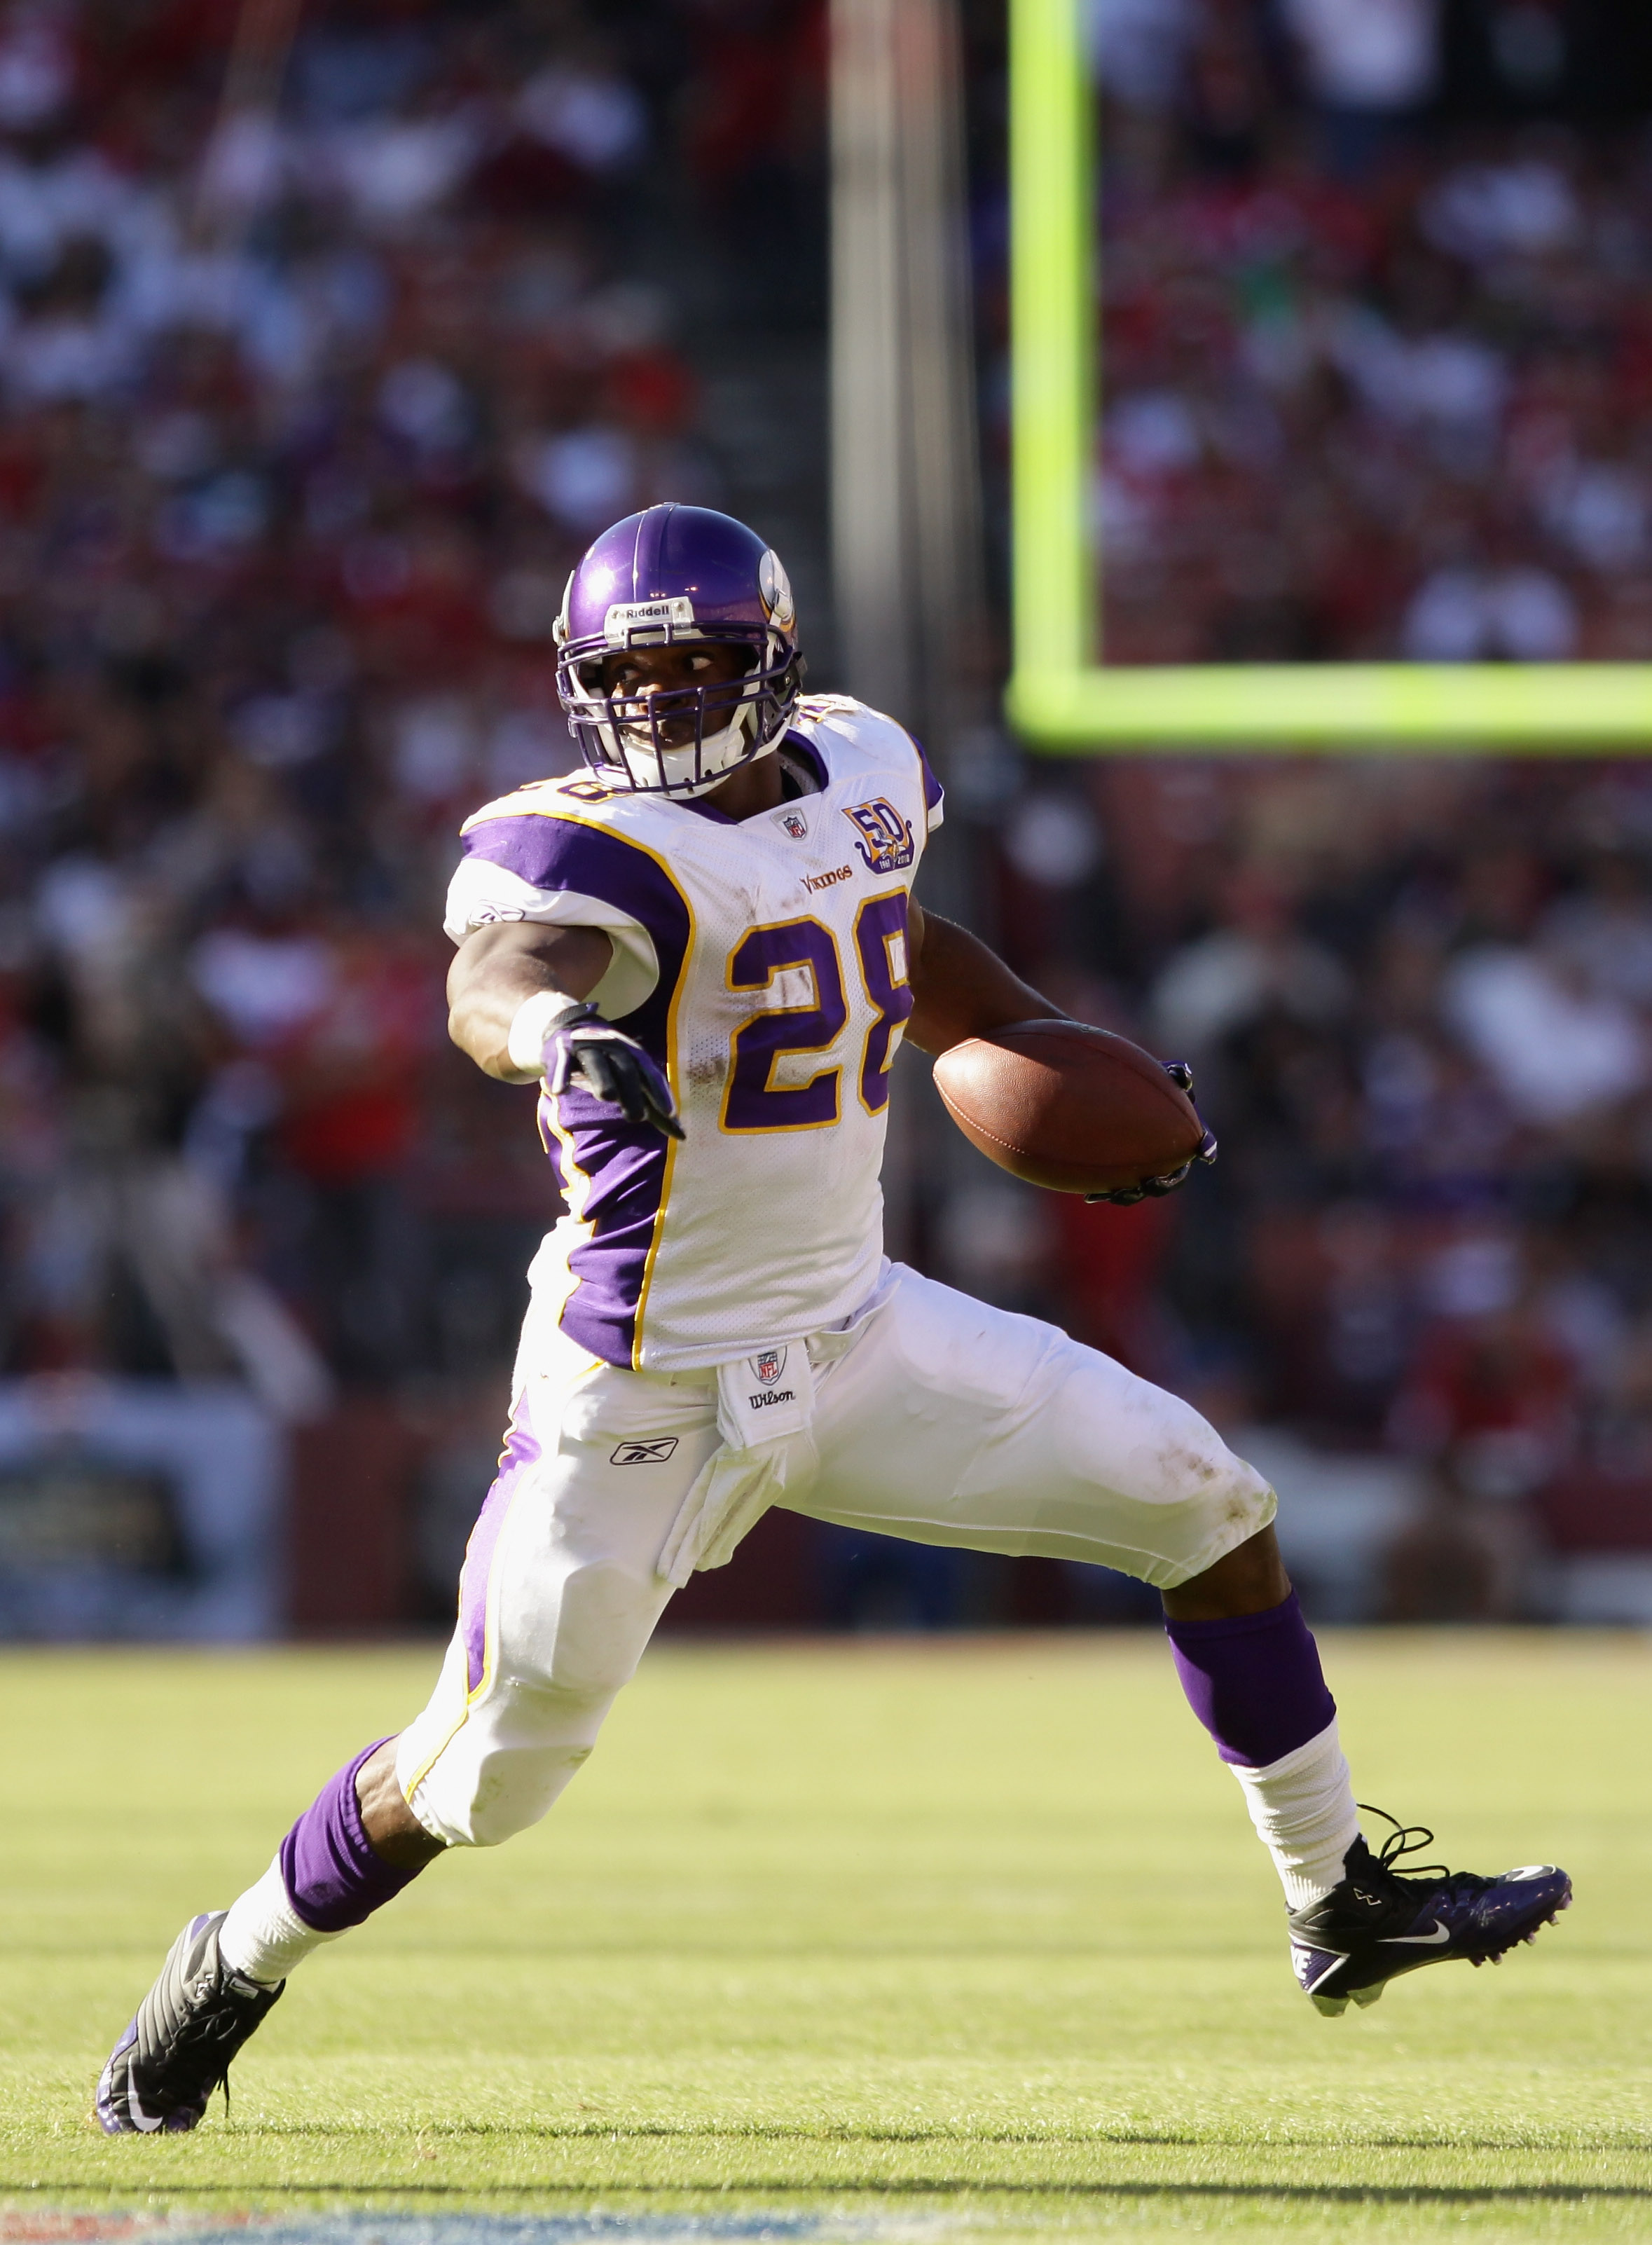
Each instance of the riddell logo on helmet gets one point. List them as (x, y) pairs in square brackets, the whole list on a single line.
[(626, 619)]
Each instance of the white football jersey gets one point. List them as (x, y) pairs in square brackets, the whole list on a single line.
[(763, 963)]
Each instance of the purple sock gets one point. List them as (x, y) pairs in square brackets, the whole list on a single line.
[(1254, 1682), (334, 1875)]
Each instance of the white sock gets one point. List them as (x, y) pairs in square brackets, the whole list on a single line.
[(1302, 1807), (264, 1936)]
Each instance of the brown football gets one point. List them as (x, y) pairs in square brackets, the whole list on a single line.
[(1065, 1106)]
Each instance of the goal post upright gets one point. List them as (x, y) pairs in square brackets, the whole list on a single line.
[(1053, 350), (1062, 698)]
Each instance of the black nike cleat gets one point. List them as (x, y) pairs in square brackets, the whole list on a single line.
[(177, 2049), (1374, 1924)]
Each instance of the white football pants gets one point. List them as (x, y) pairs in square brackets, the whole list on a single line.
[(944, 1419)]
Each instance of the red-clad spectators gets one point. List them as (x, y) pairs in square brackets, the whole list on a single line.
[(1374, 366), (307, 406), (317, 369), (1373, 387)]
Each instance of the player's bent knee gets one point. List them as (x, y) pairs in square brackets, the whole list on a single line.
[(1231, 1510), (1109, 1421), (479, 1794), (1169, 1496), (518, 1790)]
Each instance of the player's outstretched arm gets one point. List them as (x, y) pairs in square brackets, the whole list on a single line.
[(498, 967), (960, 988)]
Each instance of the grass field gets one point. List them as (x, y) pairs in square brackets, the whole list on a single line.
[(911, 1939)]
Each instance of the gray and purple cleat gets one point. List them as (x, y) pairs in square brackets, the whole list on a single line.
[(1376, 1925), (178, 2048)]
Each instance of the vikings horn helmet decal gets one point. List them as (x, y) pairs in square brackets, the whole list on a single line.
[(668, 575)]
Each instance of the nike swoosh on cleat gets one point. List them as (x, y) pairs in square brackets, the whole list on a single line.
[(145, 2123), (1417, 1940), (128, 2112)]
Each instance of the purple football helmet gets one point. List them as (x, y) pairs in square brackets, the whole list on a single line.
[(668, 575)]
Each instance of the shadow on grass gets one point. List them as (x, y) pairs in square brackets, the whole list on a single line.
[(620, 2131)]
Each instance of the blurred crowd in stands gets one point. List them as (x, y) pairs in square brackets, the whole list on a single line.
[(1376, 331), (310, 394), (1418, 996), (318, 368), (1376, 353)]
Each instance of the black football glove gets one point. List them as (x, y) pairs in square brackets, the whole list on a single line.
[(611, 1066), (1157, 1188)]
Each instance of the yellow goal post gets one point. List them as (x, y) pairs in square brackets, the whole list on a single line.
[(1061, 699)]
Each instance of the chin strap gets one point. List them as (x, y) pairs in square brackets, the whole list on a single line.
[(689, 791), (622, 777)]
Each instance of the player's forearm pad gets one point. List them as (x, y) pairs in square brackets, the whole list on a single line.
[(529, 1026)]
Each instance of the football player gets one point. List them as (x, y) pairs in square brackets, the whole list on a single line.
[(705, 951)]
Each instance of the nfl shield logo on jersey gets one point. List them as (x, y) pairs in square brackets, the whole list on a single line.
[(796, 825), (767, 1368)]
